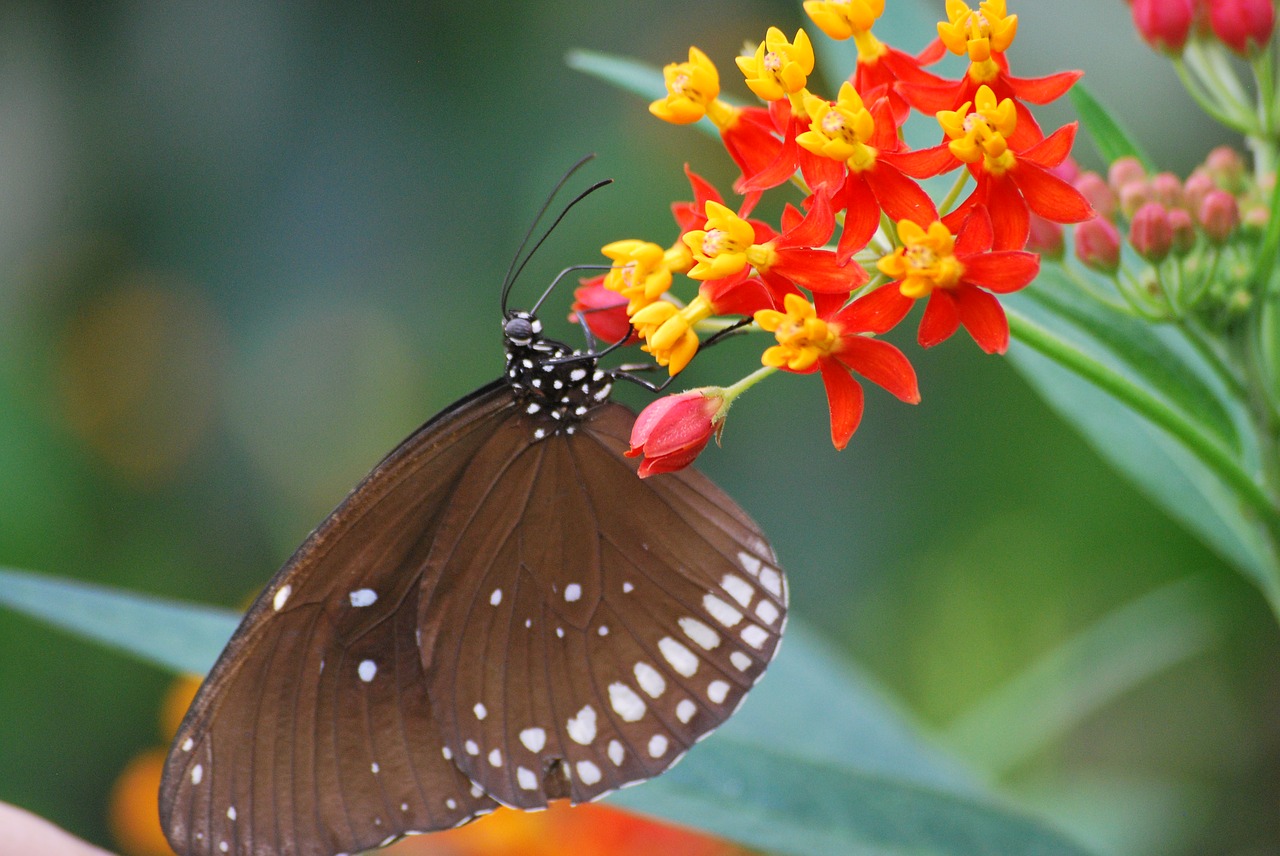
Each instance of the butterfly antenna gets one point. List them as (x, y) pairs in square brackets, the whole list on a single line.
[(517, 265), (562, 275), (547, 234)]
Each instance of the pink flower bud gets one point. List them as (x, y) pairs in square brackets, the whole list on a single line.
[(1133, 196), (1226, 166), (1219, 216), (1045, 238), (1125, 170), (1097, 193), (671, 431), (1098, 245), (1166, 188), (1243, 25), (604, 311), (1194, 189), (1183, 227), (1164, 24), (1151, 233)]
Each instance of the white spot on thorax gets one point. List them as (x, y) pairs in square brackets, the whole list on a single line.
[(527, 780), (650, 680), (657, 746), (616, 753), (572, 592), (582, 727), (533, 408), (625, 702), (680, 657), (367, 670), (588, 772), (685, 710), (704, 636), (533, 739), (717, 691), (282, 597), (363, 597), (577, 374)]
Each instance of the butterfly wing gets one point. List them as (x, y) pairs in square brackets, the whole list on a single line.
[(582, 628), (314, 732)]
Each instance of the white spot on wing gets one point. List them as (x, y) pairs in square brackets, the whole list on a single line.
[(496, 597), (451, 803), (717, 691), (616, 753), (741, 660), (480, 710), (749, 563), (374, 768), (533, 739), (367, 670), (582, 727), (704, 636), (657, 746), (721, 611), (754, 636), (363, 597), (282, 597), (772, 581), (495, 757), (685, 710), (625, 702), (628, 588), (231, 813), (680, 657), (588, 772), (188, 745), (197, 773), (572, 592), (738, 589), (650, 680), (527, 780), (471, 747), (766, 611)]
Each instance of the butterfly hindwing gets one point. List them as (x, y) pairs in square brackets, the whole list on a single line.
[(583, 627), (314, 733)]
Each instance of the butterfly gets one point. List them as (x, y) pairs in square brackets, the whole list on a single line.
[(500, 613)]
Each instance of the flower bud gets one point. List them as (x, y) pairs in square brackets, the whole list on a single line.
[(671, 431), (1219, 215), (1124, 171), (1194, 189), (1164, 24), (1098, 245), (1183, 227), (1133, 196), (1243, 25), (1151, 233), (1045, 238), (604, 311), (1098, 193), (1226, 167), (1166, 188)]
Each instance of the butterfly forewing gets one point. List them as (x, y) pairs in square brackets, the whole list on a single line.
[(583, 628), (314, 733)]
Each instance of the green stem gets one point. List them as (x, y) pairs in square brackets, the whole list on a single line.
[(1209, 452), (1237, 118), (949, 201)]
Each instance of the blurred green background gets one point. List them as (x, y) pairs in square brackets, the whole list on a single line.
[(245, 248)]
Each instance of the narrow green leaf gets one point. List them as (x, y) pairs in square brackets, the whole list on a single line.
[(1162, 467), (1108, 135), (817, 762), (184, 637), (750, 792), (1084, 674), (627, 74)]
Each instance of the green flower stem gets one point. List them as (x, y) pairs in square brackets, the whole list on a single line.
[(1210, 453), (1231, 119), (953, 194), (733, 390)]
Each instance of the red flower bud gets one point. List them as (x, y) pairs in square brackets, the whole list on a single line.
[(1097, 193), (1243, 25), (1151, 233), (1125, 170), (604, 311), (1166, 188), (1226, 167), (1219, 215), (1098, 245), (1164, 24), (671, 431), (1194, 189), (1045, 237), (1183, 228), (1133, 195)]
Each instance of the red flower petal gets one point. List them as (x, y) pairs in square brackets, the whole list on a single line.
[(976, 234), (1053, 149), (900, 197), (741, 295), (818, 270), (816, 227), (982, 316), (1042, 90), (877, 311), (880, 363), (861, 218), (1001, 272), (1010, 220), (925, 163), (1049, 196), (941, 319), (844, 399)]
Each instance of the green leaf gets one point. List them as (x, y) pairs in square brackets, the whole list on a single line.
[(817, 761), (1216, 502), (184, 637), (1084, 674), (1108, 135), (627, 74)]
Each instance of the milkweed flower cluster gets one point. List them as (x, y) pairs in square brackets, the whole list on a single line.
[(860, 240)]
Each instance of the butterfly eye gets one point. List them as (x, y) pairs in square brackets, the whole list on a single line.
[(520, 329)]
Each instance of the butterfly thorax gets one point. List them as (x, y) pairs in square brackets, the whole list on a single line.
[(550, 378)]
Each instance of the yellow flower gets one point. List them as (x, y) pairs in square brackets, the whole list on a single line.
[(840, 131), (844, 18), (925, 261), (979, 34), (639, 273), (721, 249), (981, 134), (668, 331), (692, 89), (779, 68), (803, 337)]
